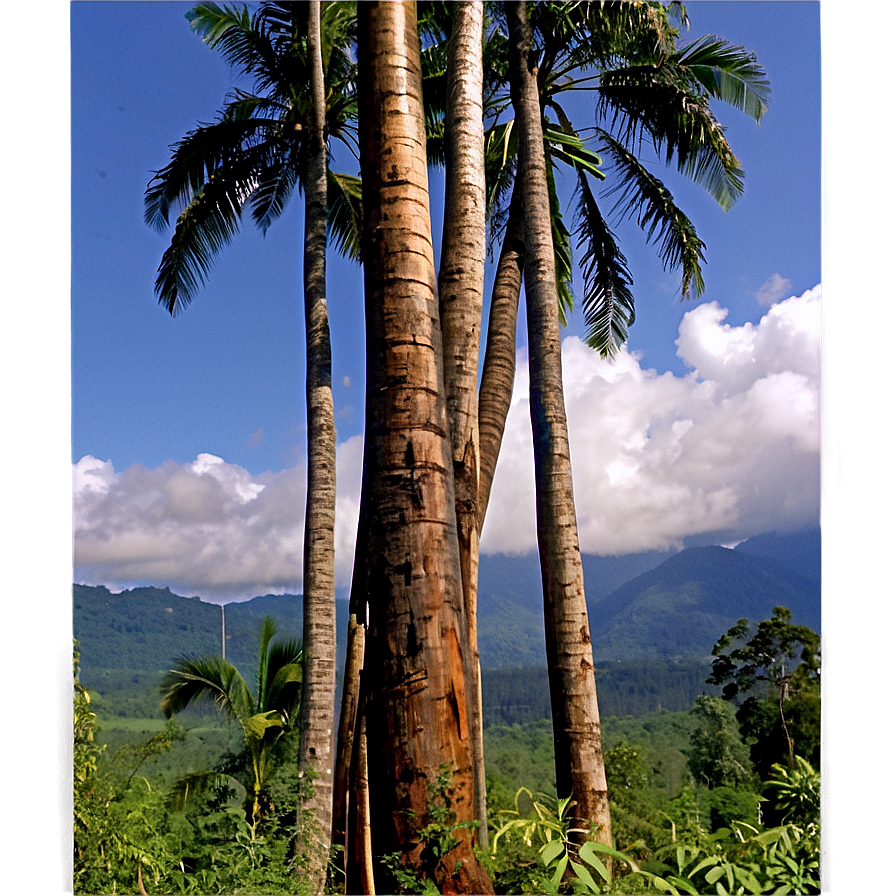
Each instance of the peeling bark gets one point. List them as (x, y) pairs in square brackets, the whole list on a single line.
[(413, 659), (461, 281)]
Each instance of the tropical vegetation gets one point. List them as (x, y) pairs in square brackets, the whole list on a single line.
[(690, 815), (476, 88)]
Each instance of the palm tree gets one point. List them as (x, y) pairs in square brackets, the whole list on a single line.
[(461, 281), (577, 739), (650, 95), (262, 717), (260, 150), (645, 97), (407, 553)]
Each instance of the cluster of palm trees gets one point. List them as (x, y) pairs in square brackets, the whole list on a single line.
[(478, 89)]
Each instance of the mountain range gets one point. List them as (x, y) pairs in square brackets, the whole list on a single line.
[(660, 605)]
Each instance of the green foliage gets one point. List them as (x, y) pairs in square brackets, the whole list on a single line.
[(744, 859), (774, 652), (718, 756), (544, 823), (630, 687), (129, 838), (760, 724), (776, 666), (262, 717), (795, 793)]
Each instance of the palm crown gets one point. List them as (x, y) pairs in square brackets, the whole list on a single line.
[(254, 152), (651, 99), (262, 716)]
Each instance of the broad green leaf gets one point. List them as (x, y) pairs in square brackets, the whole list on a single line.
[(582, 873), (595, 862), (551, 850), (560, 871), (748, 879)]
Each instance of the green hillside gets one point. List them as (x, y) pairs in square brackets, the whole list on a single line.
[(681, 607)]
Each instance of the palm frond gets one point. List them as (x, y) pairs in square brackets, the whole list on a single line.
[(339, 31), (194, 784), (588, 35), (257, 727), (246, 46), (344, 213), (728, 73), (500, 156), (205, 226), (204, 152), (562, 248), (268, 632), (285, 690), (568, 148), (196, 679), (643, 196), (608, 303), (655, 102), (275, 184)]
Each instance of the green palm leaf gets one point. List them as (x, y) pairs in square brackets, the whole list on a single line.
[(257, 726), (608, 303), (283, 672), (197, 679), (657, 102), (727, 73), (268, 631), (204, 227), (244, 43), (275, 184), (194, 783), (642, 195), (202, 153), (562, 247), (344, 213)]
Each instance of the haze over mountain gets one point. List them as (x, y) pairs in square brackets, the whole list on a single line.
[(663, 606)]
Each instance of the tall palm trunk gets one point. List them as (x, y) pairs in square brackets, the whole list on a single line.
[(577, 737), (461, 278), (416, 717), (319, 602), (350, 778), (499, 364)]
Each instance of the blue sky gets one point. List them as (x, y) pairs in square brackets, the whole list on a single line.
[(188, 434)]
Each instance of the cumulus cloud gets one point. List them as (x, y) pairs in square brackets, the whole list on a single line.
[(725, 452), (208, 527), (729, 450), (773, 290)]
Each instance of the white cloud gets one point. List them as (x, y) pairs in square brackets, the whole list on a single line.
[(207, 527), (727, 451), (773, 290)]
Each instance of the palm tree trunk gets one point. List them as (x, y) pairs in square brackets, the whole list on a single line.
[(319, 597), (577, 737), (354, 661), (461, 275), (499, 364), (359, 863), (417, 725)]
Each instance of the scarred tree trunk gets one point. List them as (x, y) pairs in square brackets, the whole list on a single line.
[(577, 737), (319, 602), (461, 277), (415, 688)]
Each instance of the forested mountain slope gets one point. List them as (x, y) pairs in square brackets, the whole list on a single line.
[(670, 606)]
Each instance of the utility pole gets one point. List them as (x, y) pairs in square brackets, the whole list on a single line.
[(223, 636)]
